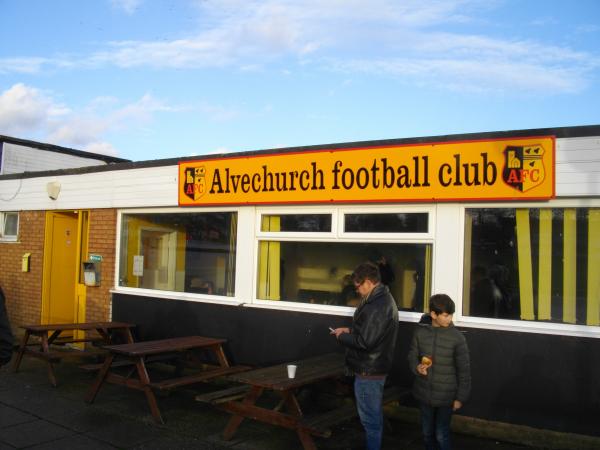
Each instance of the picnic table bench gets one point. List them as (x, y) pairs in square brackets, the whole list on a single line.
[(241, 400), (140, 353), (50, 335)]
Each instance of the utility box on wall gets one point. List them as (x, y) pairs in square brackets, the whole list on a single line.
[(25, 262), (91, 273)]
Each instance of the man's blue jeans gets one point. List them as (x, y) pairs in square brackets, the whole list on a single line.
[(369, 403), (435, 422)]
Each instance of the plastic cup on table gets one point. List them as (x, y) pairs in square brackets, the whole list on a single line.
[(291, 369)]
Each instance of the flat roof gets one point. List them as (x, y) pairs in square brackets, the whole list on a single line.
[(124, 164), (64, 150)]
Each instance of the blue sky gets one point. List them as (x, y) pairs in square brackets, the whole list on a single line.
[(148, 79)]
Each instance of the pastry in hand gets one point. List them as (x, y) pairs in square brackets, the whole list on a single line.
[(426, 361)]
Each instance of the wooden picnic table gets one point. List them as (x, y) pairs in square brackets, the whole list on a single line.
[(50, 334), (241, 400), (275, 378), (140, 353)]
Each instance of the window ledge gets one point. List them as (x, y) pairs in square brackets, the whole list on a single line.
[(170, 295), (522, 326), (302, 307)]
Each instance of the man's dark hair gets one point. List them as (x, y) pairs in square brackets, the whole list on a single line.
[(366, 271), (441, 303)]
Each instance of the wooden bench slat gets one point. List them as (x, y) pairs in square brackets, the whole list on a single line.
[(58, 354), (129, 362), (197, 378), (63, 341), (223, 395)]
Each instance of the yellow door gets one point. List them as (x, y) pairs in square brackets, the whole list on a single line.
[(62, 300)]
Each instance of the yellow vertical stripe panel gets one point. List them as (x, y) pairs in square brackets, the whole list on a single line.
[(569, 265), (269, 262), (593, 279), (263, 258), (545, 266), (525, 270), (466, 308)]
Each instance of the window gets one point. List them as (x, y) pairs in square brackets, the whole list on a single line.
[(537, 264), (182, 252), (296, 222), (300, 269), (9, 226), (386, 223)]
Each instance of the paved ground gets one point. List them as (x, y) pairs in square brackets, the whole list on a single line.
[(35, 415)]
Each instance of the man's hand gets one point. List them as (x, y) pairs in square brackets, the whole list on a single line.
[(456, 405), (339, 331)]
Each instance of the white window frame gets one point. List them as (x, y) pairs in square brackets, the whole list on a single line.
[(526, 326), (338, 235), (445, 235), (237, 299), (11, 237)]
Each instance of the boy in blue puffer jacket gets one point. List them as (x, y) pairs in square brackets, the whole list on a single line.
[(439, 357)]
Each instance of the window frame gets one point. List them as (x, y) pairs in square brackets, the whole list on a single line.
[(446, 235), (11, 237), (338, 235), (237, 299), (527, 326)]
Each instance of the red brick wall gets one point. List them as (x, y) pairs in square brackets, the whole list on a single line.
[(23, 290), (102, 241)]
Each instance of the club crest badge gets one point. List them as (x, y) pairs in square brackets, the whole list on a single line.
[(523, 167), (195, 182)]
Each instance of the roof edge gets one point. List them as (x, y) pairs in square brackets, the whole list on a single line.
[(58, 149), (558, 132)]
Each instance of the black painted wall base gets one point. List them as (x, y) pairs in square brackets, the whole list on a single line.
[(543, 381)]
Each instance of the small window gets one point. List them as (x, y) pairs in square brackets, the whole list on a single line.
[(181, 252), (9, 226), (386, 223), (303, 223), (537, 264), (321, 272)]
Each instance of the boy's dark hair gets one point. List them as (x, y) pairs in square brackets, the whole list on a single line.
[(366, 271), (441, 303)]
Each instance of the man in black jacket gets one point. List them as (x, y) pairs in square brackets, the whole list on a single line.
[(6, 337), (370, 347)]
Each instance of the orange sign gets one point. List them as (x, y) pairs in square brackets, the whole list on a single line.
[(499, 169)]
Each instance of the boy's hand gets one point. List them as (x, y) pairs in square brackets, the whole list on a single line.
[(422, 369), (456, 405)]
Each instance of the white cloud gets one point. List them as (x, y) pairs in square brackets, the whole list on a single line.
[(473, 75), (27, 111), (23, 108), (22, 65), (128, 6), (103, 148), (348, 35)]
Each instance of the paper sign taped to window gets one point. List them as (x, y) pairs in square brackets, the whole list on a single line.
[(138, 265)]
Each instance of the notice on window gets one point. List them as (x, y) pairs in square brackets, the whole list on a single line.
[(138, 265)]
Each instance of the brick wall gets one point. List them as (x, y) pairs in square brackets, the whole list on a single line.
[(23, 290), (102, 241)]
